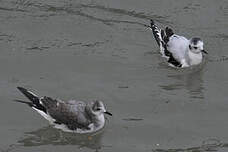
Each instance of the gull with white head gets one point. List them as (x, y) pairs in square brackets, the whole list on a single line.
[(70, 116), (179, 51)]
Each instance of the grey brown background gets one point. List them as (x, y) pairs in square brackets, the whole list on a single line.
[(100, 50)]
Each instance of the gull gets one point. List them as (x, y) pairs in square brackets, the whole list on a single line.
[(71, 116), (179, 51)]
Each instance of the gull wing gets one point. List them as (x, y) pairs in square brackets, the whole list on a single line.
[(72, 115)]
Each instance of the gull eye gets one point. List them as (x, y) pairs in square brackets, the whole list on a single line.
[(98, 109), (195, 47)]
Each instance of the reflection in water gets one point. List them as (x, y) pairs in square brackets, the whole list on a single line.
[(190, 80), (194, 84), (51, 136)]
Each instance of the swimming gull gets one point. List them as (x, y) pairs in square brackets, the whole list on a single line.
[(179, 51), (70, 116)]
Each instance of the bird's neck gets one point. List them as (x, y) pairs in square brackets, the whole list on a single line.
[(99, 120), (195, 58)]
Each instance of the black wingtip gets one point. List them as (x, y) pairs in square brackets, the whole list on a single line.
[(21, 89), (31, 96), (24, 91), (151, 22)]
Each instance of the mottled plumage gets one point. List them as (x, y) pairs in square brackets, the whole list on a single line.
[(76, 116)]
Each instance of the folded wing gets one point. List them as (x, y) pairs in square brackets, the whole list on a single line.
[(72, 115)]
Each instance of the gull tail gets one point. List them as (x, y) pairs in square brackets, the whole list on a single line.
[(168, 33), (35, 100)]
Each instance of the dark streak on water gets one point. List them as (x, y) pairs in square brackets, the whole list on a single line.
[(12, 9), (132, 119), (160, 19), (76, 11), (210, 145), (222, 36)]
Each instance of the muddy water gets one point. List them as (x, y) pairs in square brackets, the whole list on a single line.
[(100, 50)]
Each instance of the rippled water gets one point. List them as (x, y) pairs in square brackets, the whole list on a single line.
[(101, 50)]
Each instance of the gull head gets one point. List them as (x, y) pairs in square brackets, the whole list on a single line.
[(196, 45), (98, 108)]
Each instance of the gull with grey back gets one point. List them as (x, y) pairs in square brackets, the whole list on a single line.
[(179, 51), (71, 116)]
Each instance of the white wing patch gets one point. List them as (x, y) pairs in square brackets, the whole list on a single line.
[(46, 116), (32, 93)]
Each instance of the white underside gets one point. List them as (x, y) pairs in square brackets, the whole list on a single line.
[(46, 116), (64, 128), (79, 131)]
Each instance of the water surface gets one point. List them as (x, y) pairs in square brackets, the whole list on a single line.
[(90, 50)]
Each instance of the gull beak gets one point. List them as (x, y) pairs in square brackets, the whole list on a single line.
[(108, 113), (204, 51)]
